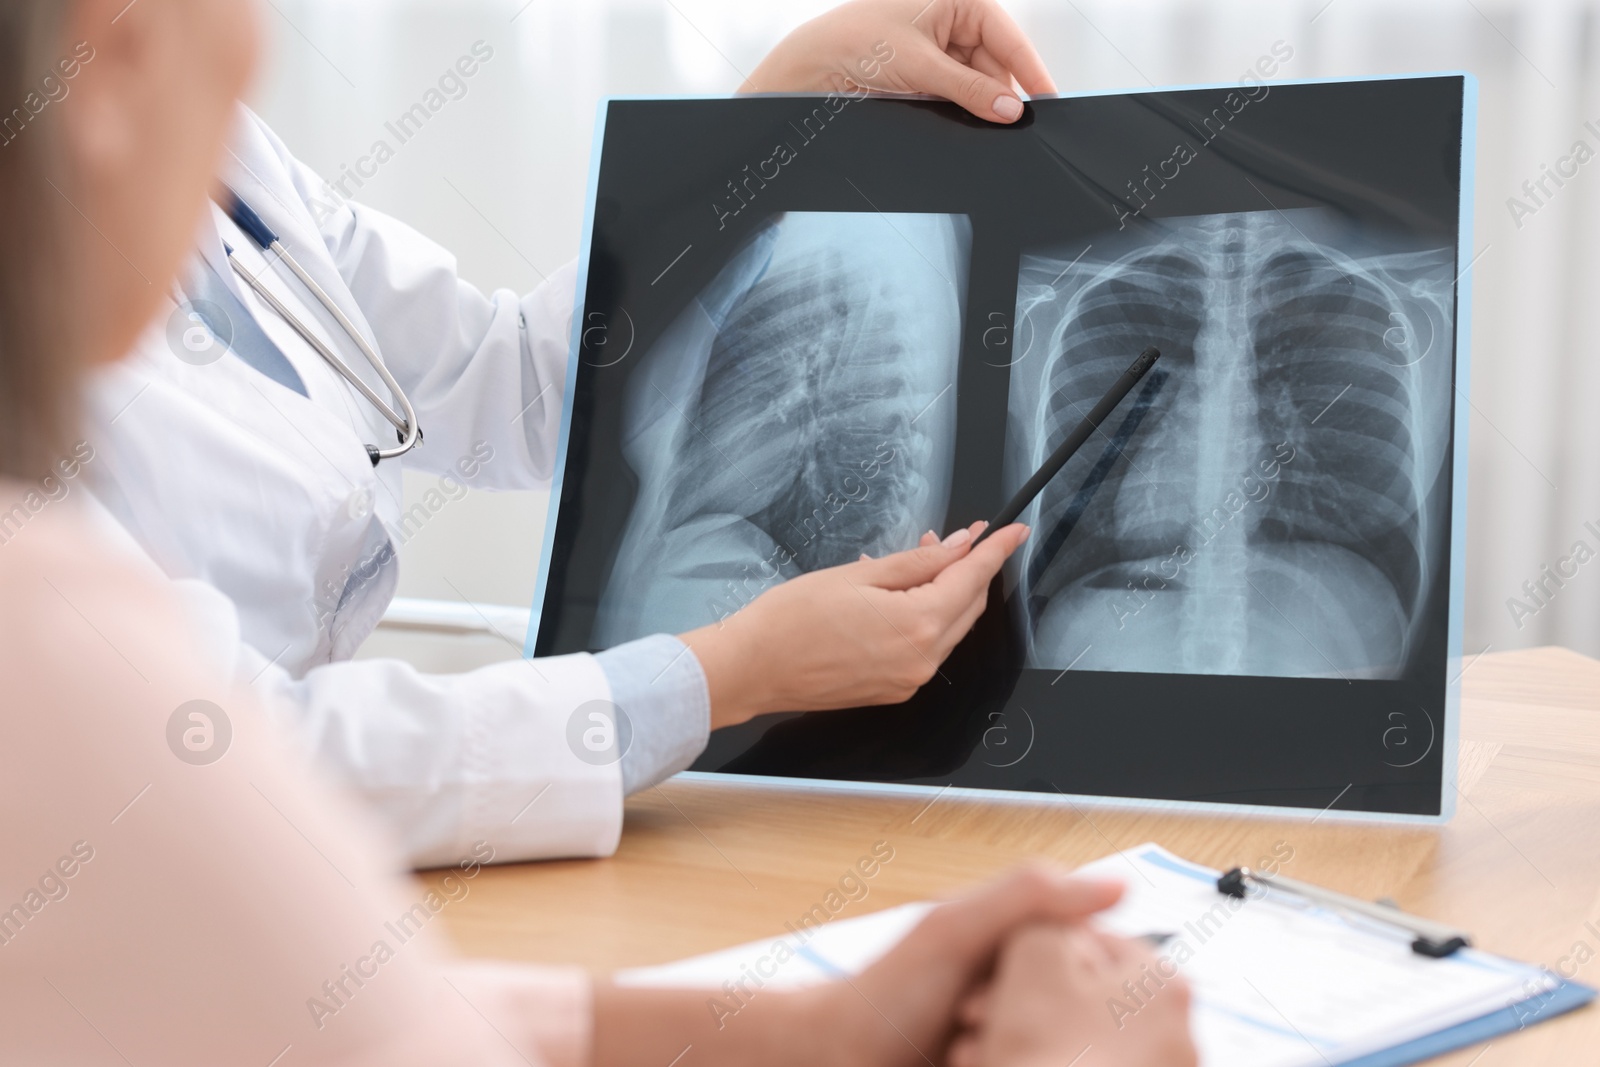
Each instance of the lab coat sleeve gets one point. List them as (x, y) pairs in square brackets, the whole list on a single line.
[(447, 762), (453, 761), (481, 368)]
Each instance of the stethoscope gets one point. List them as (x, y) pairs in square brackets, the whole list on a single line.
[(405, 424)]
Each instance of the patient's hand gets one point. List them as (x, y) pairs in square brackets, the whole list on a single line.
[(968, 51), (900, 1011), (1057, 998)]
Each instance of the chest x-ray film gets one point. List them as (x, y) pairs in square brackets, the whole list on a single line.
[(814, 327)]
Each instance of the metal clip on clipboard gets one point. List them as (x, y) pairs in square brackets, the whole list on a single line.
[(1429, 938)]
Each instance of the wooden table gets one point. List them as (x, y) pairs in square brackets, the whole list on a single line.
[(705, 866)]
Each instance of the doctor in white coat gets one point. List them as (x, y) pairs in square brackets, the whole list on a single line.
[(240, 464)]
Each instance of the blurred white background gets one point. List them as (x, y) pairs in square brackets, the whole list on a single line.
[(499, 177)]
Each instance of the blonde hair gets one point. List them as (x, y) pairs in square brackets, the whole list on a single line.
[(40, 358)]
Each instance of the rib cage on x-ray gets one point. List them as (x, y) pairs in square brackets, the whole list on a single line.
[(798, 413), (1268, 512)]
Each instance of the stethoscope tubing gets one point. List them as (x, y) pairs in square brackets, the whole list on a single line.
[(405, 421)]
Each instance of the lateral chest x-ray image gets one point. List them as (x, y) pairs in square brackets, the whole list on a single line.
[(1261, 506), (796, 414)]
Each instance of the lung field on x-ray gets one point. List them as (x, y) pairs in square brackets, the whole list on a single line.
[(799, 412), (1261, 505)]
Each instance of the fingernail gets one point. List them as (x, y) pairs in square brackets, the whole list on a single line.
[(957, 539), (1007, 107), (1027, 532), (864, 558)]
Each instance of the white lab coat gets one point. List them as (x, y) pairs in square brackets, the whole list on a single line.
[(237, 485)]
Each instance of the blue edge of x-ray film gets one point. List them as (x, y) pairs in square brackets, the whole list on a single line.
[(1458, 499), (573, 350)]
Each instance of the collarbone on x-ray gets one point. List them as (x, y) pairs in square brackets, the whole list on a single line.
[(799, 412), (1265, 503)]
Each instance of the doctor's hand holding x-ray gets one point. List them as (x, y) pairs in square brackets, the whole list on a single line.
[(244, 472)]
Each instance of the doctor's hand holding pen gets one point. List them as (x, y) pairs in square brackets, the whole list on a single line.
[(866, 633), (967, 51)]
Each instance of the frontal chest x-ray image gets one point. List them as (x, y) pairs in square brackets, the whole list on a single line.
[(1269, 501), (799, 412)]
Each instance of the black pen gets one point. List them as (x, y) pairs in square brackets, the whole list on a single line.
[(1074, 441)]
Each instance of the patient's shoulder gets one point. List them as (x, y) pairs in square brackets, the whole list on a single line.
[(44, 539), (74, 601)]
